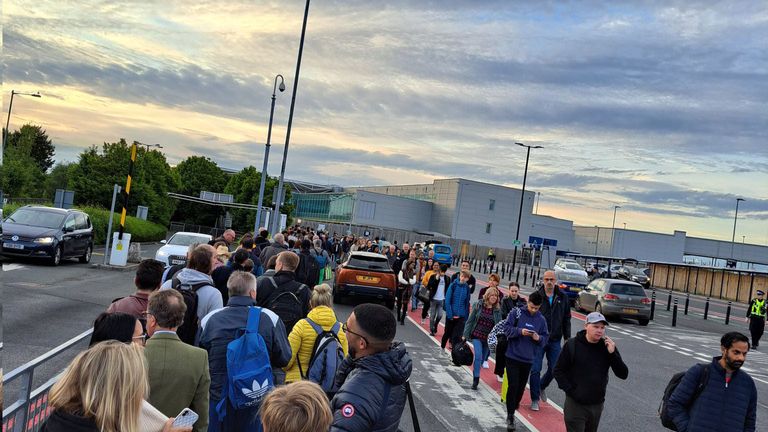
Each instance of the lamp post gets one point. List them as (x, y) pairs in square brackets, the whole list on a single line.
[(276, 218), (8, 120), (735, 216), (522, 197), (266, 154), (538, 198), (613, 226), (148, 146), (597, 238), (625, 225)]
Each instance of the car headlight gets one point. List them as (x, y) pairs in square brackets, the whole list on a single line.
[(44, 240), (162, 253)]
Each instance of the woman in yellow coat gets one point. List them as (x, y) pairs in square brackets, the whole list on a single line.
[(302, 337)]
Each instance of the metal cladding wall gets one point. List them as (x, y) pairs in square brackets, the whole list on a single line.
[(549, 227), (391, 211), (724, 249), (648, 246)]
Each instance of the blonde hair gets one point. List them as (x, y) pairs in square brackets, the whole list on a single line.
[(106, 383), (321, 296), (301, 406), (488, 293)]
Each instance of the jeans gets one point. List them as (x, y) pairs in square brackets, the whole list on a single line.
[(435, 314), (517, 372), (552, 350), (581, 418), (482, 351), (414, 298)]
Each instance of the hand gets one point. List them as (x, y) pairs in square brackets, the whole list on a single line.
[(455, 317), (610, 344), (535, 336), (168, 427)]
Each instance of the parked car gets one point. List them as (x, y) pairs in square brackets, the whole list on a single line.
[(611, 271), (365, 274), (175, 249), (49, 233), (571, 283), (633, 274), (570, 266), (616, 298), (442, 252)]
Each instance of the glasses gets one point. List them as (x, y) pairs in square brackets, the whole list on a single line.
[(140, 338), (347, 330), (549, 279)]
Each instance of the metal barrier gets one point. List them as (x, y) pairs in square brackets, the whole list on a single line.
[(27, 410)]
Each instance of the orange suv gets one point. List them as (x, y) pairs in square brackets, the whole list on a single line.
[(365, 274)]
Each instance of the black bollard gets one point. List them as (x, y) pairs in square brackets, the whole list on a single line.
[(669, 300), (533, 281), (474, 266), (525, 278), (653, 304), (674, 314), (728, 314), (687, 300), (517, 279), (706, 308)]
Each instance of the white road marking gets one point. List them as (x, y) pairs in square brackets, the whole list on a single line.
[(11, 267)]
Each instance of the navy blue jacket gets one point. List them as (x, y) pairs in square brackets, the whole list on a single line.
[(720, 407), (519, 347), (371, 394), (457, 300)]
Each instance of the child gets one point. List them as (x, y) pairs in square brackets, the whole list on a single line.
[(297, 407)]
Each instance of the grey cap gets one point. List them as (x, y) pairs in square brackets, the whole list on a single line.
[(596, 317)]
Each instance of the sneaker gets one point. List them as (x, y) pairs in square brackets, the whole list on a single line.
[(485, 365), (422, 321), (499, 379), (511, 424), (535, 406), (543, 395)]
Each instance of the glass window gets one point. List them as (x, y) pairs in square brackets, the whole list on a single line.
[(70, 222), (368, 263), (626, 289), (80, 221), (38, 218), (492, 205), (488, 227)]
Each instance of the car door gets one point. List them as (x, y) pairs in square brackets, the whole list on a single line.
[(587, 296), (81, 231), (597, 294), (69, 236)]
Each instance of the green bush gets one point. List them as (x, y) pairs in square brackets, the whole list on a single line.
[(141, 230)]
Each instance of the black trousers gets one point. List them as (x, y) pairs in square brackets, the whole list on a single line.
[(756, 329), (501, 356), (581, 418), (403, 295), (453, 331), (517, 378)]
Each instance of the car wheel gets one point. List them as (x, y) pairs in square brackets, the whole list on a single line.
[(56, 259), (85, 259), (643, 321)]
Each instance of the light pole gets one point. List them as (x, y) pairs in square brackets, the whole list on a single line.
[(266, 154), (538, 198), (613, 226), (276, 218), (625, 225), (148, 146), (597, 239), (522, 197), (8, 120), (735, 216)]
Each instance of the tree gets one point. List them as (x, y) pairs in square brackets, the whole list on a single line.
[(196, 174), (244, 187), (42, 149), (19, 175), (59, 177)]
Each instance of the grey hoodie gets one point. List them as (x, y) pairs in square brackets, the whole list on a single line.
[(208, 297)]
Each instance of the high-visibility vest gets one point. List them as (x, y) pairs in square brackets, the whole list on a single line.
[(758, 308)]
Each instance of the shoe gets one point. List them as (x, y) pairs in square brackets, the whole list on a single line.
[(402, 322), (475, 383), (422, 321), (511, 424), (543, 395), (431, 333), (485, 365), (499, 379), (535, 406)]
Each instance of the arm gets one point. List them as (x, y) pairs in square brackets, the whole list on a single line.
[(751, 420), (563, 369), (294, 340), (749, 308), (567, 319), (682, 395), (448, 307), (618, 366), (510, 330), (356, 412), (469, 327), (280, 354), (401, 279), (543, 331), (472, 283), (200, 401), (412, 280)]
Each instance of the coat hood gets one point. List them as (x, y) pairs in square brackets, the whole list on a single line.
[(323, 316), (188, 276), (394, 366)]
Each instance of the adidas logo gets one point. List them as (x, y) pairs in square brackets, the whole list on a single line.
[(258, 391)]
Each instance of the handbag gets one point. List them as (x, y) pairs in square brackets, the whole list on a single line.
[(497, 332), (461, 354), (423, 294)]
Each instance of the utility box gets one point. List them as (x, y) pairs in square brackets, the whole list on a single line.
[(119, 253), (141, 212), (64, 199)]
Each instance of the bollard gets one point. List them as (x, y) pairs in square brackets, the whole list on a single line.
[(669, 300), (653, 304), (517, 279), (674, 314), (525, 278), (475, 266), (706, 308), (687, 300), (728, 314), (533, 281)]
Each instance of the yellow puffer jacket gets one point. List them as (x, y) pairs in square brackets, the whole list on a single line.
[(302, 340)]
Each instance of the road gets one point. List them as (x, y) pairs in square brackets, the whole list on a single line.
[(44, 306)]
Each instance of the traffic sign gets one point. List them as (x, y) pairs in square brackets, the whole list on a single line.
[(516, 243)]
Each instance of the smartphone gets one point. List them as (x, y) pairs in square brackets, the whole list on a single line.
[(186, 417)]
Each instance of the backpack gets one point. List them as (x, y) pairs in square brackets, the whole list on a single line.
[(187, 331), (286, 305), (308, 270), (322, 261), (249, 371), (327, 355), (666, 419)]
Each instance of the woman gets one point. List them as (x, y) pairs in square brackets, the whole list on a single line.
[(102, 390), (303, 335), (118, 326), (512, 301), (485, 314), (435, 268), (420, 270), (406, 278), (493, 281)]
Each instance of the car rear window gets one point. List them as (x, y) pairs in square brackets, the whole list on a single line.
[(38, 218), (625, 289), (572, 266), (369, 263), (442, 249), (186, 240)]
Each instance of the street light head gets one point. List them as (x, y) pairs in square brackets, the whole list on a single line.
[(37, 95), (281, 87), (740, 199), (538, 146)]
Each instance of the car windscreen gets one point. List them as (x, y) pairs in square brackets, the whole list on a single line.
[(635, 272), (573, 266), (442, 249), (626, 289), (572, 278), (38, 218), (369, 263), (186, 239)]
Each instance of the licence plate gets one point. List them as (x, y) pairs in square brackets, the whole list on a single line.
[(574, 289), (13, 246), (630, 311), (177, 261), (369, 279)]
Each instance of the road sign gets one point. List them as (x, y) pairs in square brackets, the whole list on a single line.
[(516, 243)]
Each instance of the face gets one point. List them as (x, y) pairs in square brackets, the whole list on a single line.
[(436, 267), (465, 266), (229, 236), (406, 247), (431, 254), (595, 331), (151, 324), (493, 282), (463, 279), (493, 299), (412, 255), (735, 355), (391, 249), (138, 334), (549, 280), (532, 308), (355, 341), (514, 291)]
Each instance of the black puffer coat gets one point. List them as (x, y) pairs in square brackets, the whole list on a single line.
[(371, 394)]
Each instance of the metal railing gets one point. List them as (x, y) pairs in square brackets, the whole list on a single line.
[(27, 409)]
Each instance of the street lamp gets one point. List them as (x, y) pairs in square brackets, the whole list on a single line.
[(149, 145), (538, 198), (522, 197), (8, 120), (735, 216), (613, 226), (279, 199), (266, 154)]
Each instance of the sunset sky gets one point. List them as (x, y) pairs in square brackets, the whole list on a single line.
[(660, 107)]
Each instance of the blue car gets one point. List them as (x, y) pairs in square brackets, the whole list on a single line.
[(571, 283), (442, 253)]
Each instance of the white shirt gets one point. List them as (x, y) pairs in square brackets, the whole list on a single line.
[(440, 294)]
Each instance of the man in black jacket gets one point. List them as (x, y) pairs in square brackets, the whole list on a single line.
[(292, 307), (582, 373), (371, 378), (557, 311), (471, 282)]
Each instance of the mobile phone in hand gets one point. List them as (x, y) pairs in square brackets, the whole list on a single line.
[(186, 417)]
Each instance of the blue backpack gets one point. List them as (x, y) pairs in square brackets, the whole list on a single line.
[(249, 372), (320, 258), (327, 355)]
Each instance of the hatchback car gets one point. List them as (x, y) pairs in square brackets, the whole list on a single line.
[(174, 251), (365, 274), (46, 232), (442, 253), (616, 298), (633, 274), (571, 283)]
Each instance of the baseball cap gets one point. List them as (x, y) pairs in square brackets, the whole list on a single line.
[(596, 317)]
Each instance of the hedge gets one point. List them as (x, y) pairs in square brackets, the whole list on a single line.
[(141, 230)]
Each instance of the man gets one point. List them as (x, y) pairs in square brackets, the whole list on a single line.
[(391, 255), (178, 372), (261, 241), (147, 279), (756, 314), (402, 256), (308, 269), (282, 293), (582, 373), (728, 401), (228, 237), (219, 329), (371, 378), (557, 312), (275, 248), (465, 266)]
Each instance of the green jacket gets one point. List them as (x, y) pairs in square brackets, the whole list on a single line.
[(178, 377), (474, 314)]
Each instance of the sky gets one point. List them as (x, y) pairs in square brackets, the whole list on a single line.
[(660, 107)]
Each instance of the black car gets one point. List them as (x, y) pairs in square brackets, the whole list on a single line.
[(635, 275), (47, 232)]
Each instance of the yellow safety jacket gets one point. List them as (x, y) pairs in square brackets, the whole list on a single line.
[(758, 308)]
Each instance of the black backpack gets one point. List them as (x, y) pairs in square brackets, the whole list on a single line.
[(286, 304), (308, 271), (666, 418), (187, 331)]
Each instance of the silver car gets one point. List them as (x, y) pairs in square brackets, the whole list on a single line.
[(615, 298)]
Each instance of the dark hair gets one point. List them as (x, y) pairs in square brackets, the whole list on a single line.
[(149, 274), (113, 326), (247, 242), (264, 234), (200, 259), (272, 262), (240, 256), (730, 338), (536, 298), (306, 244), (466, 261), (248, 265), (376, 321), (443, 268), (514, 284), (168, 308)]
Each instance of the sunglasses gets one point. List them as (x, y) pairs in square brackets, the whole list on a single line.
[(347, 330)]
